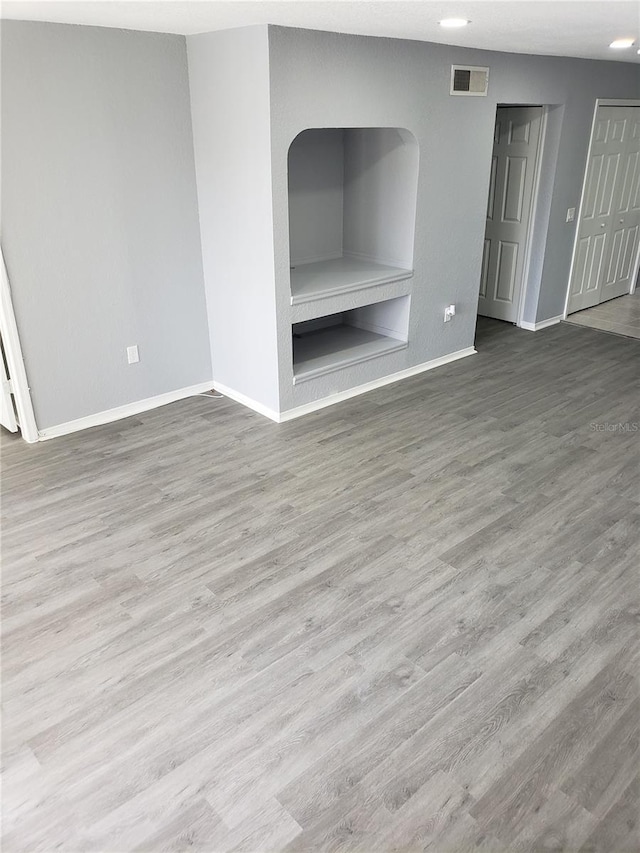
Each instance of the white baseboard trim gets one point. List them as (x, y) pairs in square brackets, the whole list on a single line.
[(332, 399), (120, 412), (139, 406), (249, 402), (542, 324)]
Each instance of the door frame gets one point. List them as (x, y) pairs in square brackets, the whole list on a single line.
[(535, 193), (15, 360), (600, 102)]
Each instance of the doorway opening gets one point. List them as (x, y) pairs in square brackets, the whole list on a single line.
[(511, 205)]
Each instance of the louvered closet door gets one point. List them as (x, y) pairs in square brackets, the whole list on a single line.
[(516, 141), (609, 226)]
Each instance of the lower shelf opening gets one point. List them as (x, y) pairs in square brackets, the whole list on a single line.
[(340, 340)]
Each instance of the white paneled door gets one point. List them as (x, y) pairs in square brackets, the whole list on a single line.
[(513, 164), (609, 225)]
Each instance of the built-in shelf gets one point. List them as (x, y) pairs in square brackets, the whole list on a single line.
[(352, 199), (326, 344), (352, 206), (336, 347), (340, 275)]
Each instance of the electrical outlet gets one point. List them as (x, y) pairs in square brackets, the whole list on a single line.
[(133, 356), (449, 313), (571, 214)]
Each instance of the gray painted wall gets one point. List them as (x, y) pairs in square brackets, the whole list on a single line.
[(381, 179), (100, 221), (332, 80), (229, 80), (316, 196), (353, 191), (99, 216)]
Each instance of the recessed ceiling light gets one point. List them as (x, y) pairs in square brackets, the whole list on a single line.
[(454, 22), (621, 44)]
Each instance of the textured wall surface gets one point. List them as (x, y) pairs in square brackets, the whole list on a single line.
[(316, 196), (100, 213), (332, 80), (229, 82), (381, 179), (99, 216)]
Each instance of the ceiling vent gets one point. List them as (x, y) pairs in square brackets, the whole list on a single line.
[(469, 80)]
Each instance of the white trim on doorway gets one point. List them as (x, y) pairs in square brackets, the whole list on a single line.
[(600, 102), (535, 238), (15, 360), (636, 271), (528, 251)]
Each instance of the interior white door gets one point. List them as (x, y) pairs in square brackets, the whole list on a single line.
[(515, 150), (609, 226), (7, 412), (621, 247)]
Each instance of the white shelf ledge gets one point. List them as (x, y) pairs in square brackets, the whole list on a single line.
[(333, 348), (340, 275)]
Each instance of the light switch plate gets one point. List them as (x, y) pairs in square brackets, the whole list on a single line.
[(571, 214)]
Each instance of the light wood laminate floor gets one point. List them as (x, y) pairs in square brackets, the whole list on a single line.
[(407, 622), (620, 316)]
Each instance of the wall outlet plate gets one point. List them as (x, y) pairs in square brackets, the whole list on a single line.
[(133, 356)]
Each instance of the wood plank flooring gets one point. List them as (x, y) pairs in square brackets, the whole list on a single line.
[(407, 622), (620, 316)]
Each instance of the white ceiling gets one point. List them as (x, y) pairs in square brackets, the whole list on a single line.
[(581, 28)]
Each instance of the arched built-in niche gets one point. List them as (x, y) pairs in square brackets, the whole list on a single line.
[(352, 210)]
